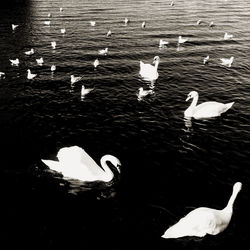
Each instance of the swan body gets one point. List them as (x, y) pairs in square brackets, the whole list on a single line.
[(205, 109), (2, 74), (92, 23), (181, 40), (30, 75), (227, 36), (96, 63), (53, 45), (47, 22), (148, 71), (85, 91), (53, 68), (74, 79), (40, 61), (198, 22), (172, 3), (49, 15), (61, 9), (73, 162), (103, 51), (14, 26), (30, 52), (203, 220), (205, 60), (142, 93), (162, 43), (227, 62), (63, 30), (15, 61)]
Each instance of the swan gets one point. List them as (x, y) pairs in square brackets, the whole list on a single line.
[(61, 9), (211, 25), (148, 71), (53, 68), (74, 79), (162, 43), (40, 61), (205, 60), (181, 40), (203, 220), (47, 22), (142, 93), (103, 51), (73, 162), (49, 15), (172, 3), (85, 91), (30, 52), (92, 23), (126, 20), (227, 62), (109, 33), (227, 36), (205, 109), (30, 75), (2, 74), (143, 25), (63, 30), (96, 63), (14, 26), (198, 22), (53, 45), (15, 61)]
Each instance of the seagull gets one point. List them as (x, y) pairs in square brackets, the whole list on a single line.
[(181, 40), (227, 62), (198, 22), (205, 60), (109, 33), (53, 68), (143, 25), (53, 45), (142, 93), (85, 91), (30, 75), (126, 20), (30, 52), (103, 51), (14, 26), (162, 43), (92, 23), (40, 61), (47, 22), (15, 62), (63, 30), (74, 79), (96, 63), (2, 74), (227, 36)]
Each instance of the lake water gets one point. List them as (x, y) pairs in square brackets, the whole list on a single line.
[(169, 165)]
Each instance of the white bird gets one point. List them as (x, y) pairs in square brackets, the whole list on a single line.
[(205, 60), (49, 15), (14, 26), (96, 63), (109, 33), (126, 20), (92, 23), (47, 22), (227, 36), (227, 62), (205, 109), (30, 52), (30, 75), (148, 71), (211, 24), (40, 61), (61, 9), (143, 25), (203, 220), (63, 30), (103, 51), (53, 45), (74, 79), (163, 43), (182, 40), (198, 22), (73, 162), (85, 91), (53, 68), (142, 93), (15, 61), (2, 74)]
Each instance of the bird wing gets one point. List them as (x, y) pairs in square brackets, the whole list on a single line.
[(209, 109)]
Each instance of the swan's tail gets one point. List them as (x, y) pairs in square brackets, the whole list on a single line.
[(228, 106), (53, 165)]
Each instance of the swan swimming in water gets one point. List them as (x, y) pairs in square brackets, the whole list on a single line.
[(182, 40), (53, 44), (40, 61), (227, 62), (30, 75), (148, 71), (205, 109), (85, 91), (227, 36), (14, 26), (142, 93), (15, 62), (203, 220), (205, 60), (96, 63), (30, 52), (73, 162), (162, 43)]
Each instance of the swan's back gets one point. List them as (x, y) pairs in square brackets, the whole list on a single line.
[(148, 71)]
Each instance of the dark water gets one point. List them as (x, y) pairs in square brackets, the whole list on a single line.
[(169, 166)]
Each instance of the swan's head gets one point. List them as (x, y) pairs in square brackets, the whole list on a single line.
[(237, 186), (192, 94), (28, 70), (232, 58), (156, 59), (115, 161)]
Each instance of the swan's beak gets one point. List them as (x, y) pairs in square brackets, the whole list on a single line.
[(188, 98)]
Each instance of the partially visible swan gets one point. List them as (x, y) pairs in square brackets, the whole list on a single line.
[(205, 109), (74, 79), (63, 30), (53, 68), (74, 162), (227, 36), (14, 26), (227, 62), (85, 91), (205, 60), (162, 43), (15, 61), (182, 40), (92, 23), (47, 22), (148, 71), (142, 93), (203, 220), (96, 63), (109, 33), (103, 51), (30, 52), (40, 61), (53, 44), (143, 25), (30, 75)]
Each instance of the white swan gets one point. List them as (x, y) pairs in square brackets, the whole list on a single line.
[(92, 23), (103, 51), (182, 40), (53, 68), (96, 63), (30, 75), (198, 22), (47, 23), (227, 62), (109, 33), (40, 61), (205, 60), (211, 25), (203, 220), (205, 109), (15, 61), (227, 36), (85, 91), (162, 43), (30, 52), (75, 163), (142, 93), (143, 25), (126, 21), (74, 79), (2, 74), (14, 26), (148, 71), (53, 44), (63, 30)]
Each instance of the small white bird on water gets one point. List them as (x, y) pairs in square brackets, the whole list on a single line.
[(211, 25), (198, 22), (74, 162), (96, 63), (148, 71), (53, 68), (74, 79), (205, 109), (85, 91), (143, 25), (227, 62), (15, 62), (205, 60), (227, 36), (92, 23), (182, 40), (163, 43), (203, 220), (40, 61), (53, 45), (103, 51), (49, 15), (142, 93), (109, 33), (30, 75), (47, 22), (30, 52), (14, 26), (63, 30), (126, 21), (61, 9)]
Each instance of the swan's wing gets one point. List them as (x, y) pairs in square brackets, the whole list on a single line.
[(209, 109), (53, 165)]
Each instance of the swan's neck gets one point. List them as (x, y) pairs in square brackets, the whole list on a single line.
[(156, 65), (190, 109), (108, 173)]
